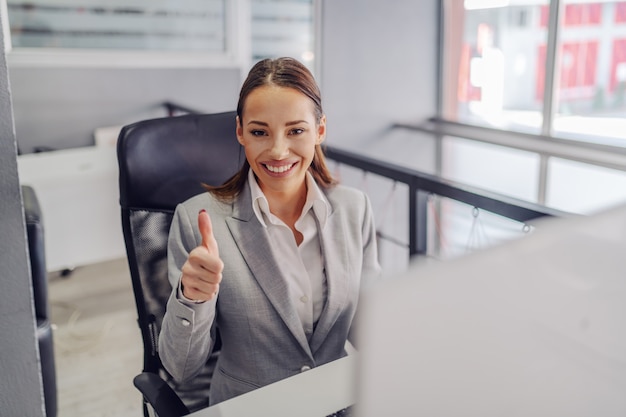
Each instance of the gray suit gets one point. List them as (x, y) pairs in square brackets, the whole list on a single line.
[(263, 340)]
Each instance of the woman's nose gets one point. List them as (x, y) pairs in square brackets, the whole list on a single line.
[(279, 147)]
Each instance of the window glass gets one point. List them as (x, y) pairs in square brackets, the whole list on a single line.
[(493, 73), (582, 188), (457, 229), (276, 28), (591, 92), (495, 168), (495, 67), (283, 28), (165, 25)]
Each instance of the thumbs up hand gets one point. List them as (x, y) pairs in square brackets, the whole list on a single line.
[(202, 272)]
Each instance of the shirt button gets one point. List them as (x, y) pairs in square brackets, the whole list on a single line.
[(185, 322), (304, 298), (305, 368)]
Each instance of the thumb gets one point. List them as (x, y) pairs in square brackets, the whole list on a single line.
[(206, 231)]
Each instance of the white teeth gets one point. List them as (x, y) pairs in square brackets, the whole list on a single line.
[(279, 169)]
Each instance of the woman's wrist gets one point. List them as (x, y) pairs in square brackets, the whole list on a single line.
[(181, 294)]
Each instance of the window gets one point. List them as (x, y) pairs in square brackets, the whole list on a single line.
[(168, 32), (283, 28), (491, 44), (569, 180), (589, 99), (541, 76), (509, 165), (162, 25), (539, 67)]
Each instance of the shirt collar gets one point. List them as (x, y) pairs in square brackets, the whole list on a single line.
[(315, 199)]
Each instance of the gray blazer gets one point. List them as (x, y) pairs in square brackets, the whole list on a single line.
[(263, 340)]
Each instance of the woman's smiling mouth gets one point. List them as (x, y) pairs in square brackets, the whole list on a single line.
[(278, 169)]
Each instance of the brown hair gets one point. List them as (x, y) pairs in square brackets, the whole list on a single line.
[(281, 72)]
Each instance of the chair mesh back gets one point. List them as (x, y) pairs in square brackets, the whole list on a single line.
[(163, 162), (149, 231)]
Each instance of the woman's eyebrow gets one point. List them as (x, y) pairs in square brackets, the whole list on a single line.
[(295, 122)]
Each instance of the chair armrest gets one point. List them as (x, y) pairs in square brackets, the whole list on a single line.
[(159, 395)]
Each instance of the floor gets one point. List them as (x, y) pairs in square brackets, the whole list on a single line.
[(98, 348)]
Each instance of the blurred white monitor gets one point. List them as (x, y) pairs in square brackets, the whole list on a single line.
[(535, 327)]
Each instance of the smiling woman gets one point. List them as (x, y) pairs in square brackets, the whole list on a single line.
[(273, 260)]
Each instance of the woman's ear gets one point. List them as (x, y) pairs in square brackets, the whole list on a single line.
[(321, 130), (239, 131)]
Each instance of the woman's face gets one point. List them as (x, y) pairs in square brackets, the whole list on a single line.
[(279, 132)]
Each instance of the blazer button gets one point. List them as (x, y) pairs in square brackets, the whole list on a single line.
[(185, 322), (305, 368)]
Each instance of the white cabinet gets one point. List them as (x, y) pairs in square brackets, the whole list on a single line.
[(78, 193)]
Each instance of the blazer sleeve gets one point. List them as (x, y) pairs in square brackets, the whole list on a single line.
[(371, 270), (371, 266), (187, 333)]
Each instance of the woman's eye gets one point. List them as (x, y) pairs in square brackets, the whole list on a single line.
[(257, 132), (296, 131)]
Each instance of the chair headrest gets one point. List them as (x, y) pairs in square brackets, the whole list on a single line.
[(163, 162)]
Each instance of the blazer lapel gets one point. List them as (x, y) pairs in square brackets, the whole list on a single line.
[(333, 245), (253, 242)]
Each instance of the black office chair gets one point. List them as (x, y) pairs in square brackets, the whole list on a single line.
[(39, 275), (163, 162)]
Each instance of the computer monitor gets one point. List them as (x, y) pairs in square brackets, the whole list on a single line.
[(534, 327)]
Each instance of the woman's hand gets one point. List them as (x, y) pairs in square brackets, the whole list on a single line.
[(202, 272)]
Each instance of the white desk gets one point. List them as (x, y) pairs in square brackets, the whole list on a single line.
[(315, 393), (78, 193)]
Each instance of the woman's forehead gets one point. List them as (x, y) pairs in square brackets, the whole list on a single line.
[(286, 101)]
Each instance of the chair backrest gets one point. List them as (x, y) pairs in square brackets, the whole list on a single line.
[(163, 162), (38, 268)]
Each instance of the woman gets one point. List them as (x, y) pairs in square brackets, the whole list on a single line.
[(274, 257)]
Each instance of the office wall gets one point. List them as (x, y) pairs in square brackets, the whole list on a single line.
[(379, 66), (21, 391), (59, 107)]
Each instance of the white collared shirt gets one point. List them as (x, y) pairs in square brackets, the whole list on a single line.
[(303, 265)]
